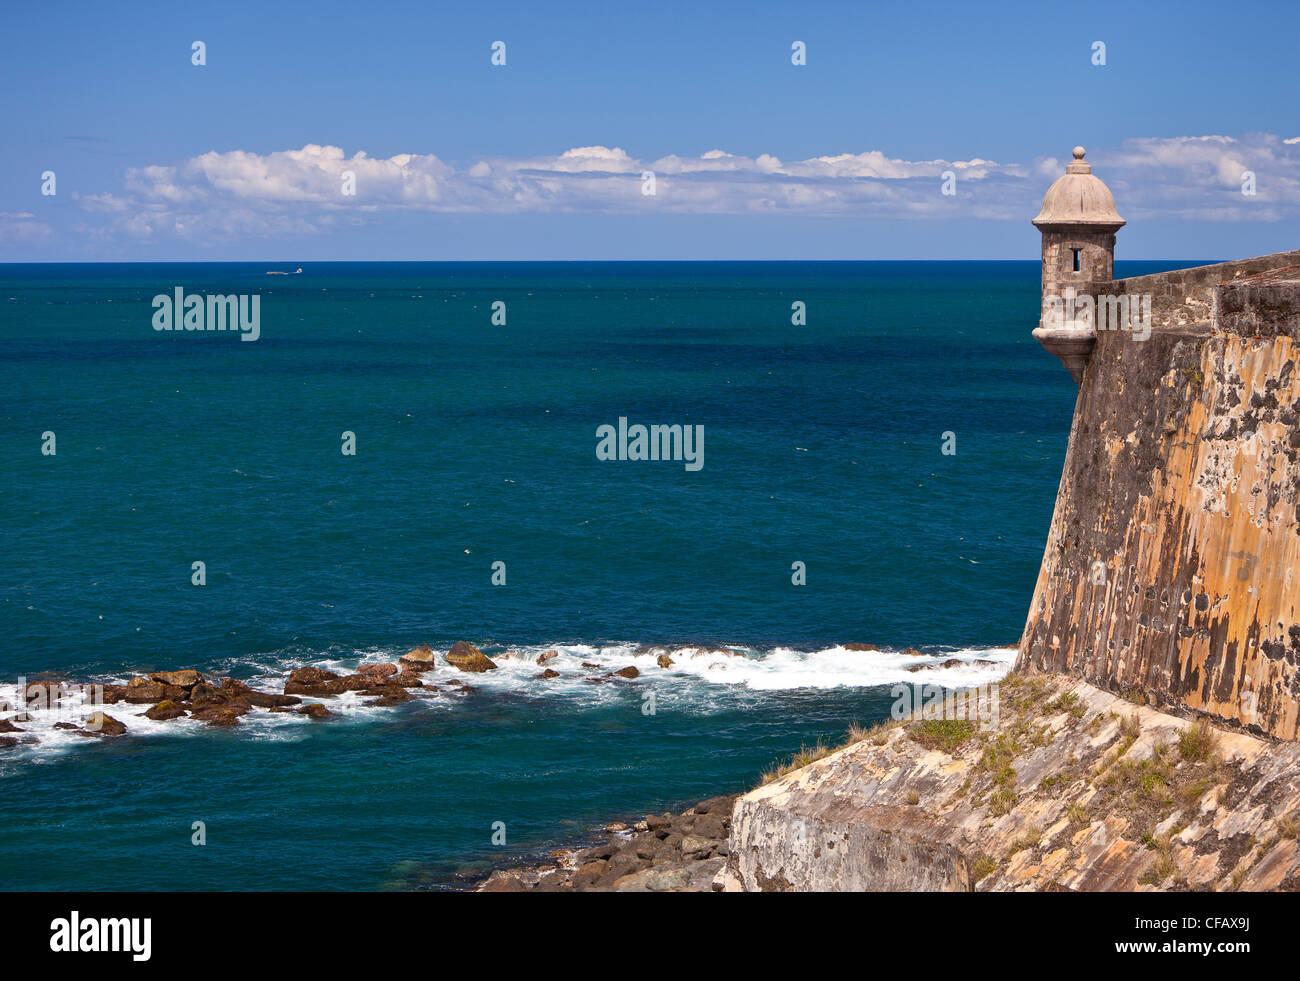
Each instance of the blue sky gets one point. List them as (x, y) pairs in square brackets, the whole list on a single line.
[(243, 157)]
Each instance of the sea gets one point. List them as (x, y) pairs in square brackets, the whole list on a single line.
[(879, 445)]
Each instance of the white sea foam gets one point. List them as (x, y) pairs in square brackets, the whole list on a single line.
[(700, 680)]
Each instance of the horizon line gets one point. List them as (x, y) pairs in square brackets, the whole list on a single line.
[(303, 262)]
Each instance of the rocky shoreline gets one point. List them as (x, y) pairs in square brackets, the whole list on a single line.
[(221, 703), (685, 852)]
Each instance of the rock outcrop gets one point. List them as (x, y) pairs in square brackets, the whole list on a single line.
[(1075, 788), (682, 852), (466, 657)]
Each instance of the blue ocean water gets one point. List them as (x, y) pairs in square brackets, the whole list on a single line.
[(476, 444)]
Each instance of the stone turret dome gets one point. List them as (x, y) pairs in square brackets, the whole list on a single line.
[(1079, 198)]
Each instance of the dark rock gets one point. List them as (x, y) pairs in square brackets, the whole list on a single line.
[(466, 657), (504, 883), (263, 699), (315, 711), (186, 678), (545, 656), (141, 691), (377, 671), (597, 852), (311, 676), (622, 863), (7, 726), (204, 695), (324, 683), (145, 693), (65, 725), (548, 673), (710, 826), (716, 805), (695, 847), (44, 693), (419, 659), (664, 661), (388, 694), (860, 647), (590, 873), (166, 709), (588, 664), (100, 724), (628, 672), (218, 716)]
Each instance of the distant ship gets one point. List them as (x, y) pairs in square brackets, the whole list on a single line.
[(281, 272)]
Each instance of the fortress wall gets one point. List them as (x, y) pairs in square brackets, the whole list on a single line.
[(1183, 297), (1181, 479)]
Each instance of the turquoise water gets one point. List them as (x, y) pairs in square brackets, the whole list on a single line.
[(475, 444)]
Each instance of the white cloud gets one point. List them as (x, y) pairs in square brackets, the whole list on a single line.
[(240, 193), (23, 229)]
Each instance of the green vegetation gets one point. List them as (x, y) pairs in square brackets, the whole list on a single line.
[(1198, 743), (982, 866), (1068, 702), (942, 734), (1032, 837)]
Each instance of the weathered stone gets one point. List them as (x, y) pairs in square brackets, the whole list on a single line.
[(315, 711), (263, 699), (597, 852), (222, 718), (712, 826), (313, 681), (204, 695), (1067, 809), (654, 880), (44, 693), (389, 694), (378, 671), (549, 673), (664, 661), (311, 676), (186, 678), (466, 657), (166, 709), (716, 805), (420, 659), (101, 724), (141, 691), (1176, 514), (503, 883), (695, 846), (545, 656)]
